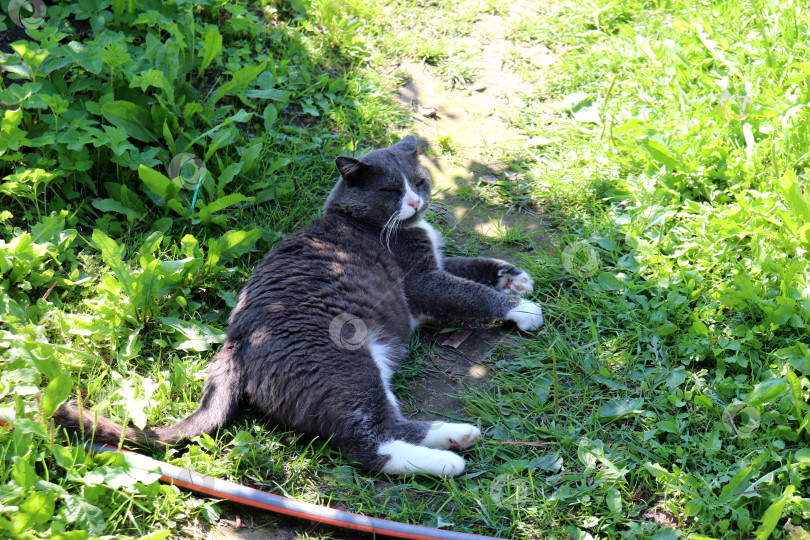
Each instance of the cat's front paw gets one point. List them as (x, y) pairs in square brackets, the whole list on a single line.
[(527, 315), (514, 280)]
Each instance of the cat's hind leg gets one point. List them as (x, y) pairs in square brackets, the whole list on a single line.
[(453, 436), (407, 458), (428, 453)]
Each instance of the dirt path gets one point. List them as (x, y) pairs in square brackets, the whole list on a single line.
[(474, 121)]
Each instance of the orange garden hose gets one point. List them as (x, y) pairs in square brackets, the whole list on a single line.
[(231, 491)]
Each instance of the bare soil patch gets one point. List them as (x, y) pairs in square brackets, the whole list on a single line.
[(474, 121)]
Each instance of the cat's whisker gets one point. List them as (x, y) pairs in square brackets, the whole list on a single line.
[(392, 230), (388, 225)]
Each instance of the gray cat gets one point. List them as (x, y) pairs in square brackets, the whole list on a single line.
[(322, 323)]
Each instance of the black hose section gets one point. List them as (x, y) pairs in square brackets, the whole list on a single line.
[(282, 505)]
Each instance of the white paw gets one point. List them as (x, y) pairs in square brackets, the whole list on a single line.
[(521, 284), (527, 315), (453, 436), (407, 458)]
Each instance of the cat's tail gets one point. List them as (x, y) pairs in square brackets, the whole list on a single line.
[(219, 404)]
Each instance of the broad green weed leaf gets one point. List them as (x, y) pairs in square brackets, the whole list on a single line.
[(158, 183), (269, 116), (23, 473), (740, 481), (228, 174), (224, 137), (676, 377), (210, 49), (48, 229), (113, 256), (135, 393), (577, 534), (144, 469), (175, 205), (589, 451), (278, 164), (550, 463), (613, 499), (111, 205), (666, 534), (804, 72), (230, 245), (693, 507), (116, 477), (63, 457), (605, 281), (135, 120), (36, 511), (56, 393), (273, 94), (670, 426), (31, 55), (767, 392), (773, 514), (89, 517), (796, 389), (660, 154), (169, 138), (175, 272), (786, 132), (795, 197), (50, 368), (73, 535), (220, 204), (155, 78), (12, 119), (241, 78), (158, 535), (118, 9), (199, 337), (234, 244), (151, 243), (132, 345), (26, 425), (250, 156), (712, 46), (582, 108), (615, 409), (163, 224)]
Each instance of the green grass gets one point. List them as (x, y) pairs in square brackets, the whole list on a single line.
[(670, 138)]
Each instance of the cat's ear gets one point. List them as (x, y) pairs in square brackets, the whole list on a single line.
[(409, 145), (349, 166)]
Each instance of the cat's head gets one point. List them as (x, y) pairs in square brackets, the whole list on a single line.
[(385, 187)]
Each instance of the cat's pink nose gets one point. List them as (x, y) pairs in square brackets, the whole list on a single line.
[(414, 204)]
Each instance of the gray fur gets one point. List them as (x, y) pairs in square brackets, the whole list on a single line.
[(282, 354)]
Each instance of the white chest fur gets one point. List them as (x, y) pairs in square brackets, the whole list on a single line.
[(435, 239)]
